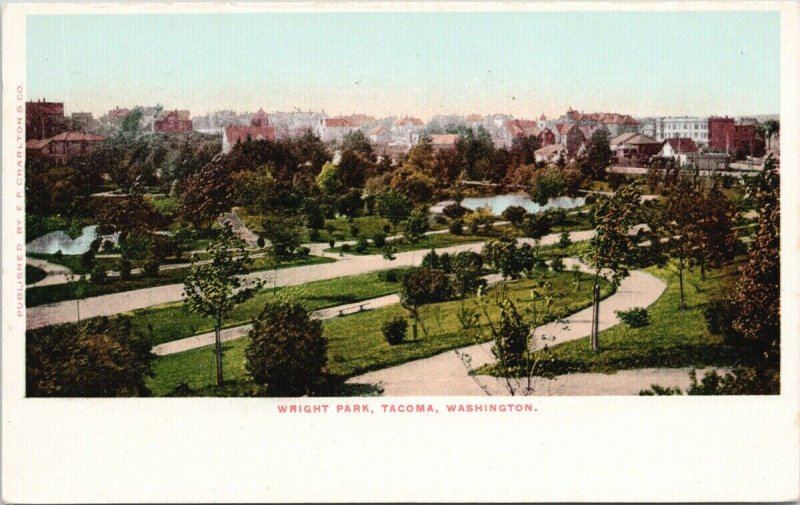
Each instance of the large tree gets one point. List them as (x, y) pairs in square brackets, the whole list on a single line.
[(214, 288), (207, 194), (598, 156)]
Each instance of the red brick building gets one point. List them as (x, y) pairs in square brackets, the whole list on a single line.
[(174, 121), (44, 119), (727, 136), (259, 129)]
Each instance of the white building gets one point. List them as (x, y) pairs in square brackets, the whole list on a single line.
[(695, 128)]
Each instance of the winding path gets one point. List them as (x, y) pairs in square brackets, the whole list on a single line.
[(108, 305), (56, 274), (447, 374)]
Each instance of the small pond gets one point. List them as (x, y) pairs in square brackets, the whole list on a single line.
[(59, 241), (501, 202)]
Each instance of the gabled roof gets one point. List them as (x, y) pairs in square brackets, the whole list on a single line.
[(521, 127), (413, 121), (119, 112), (77, 137), (377, 130), (446, 139), (550, 150), (682, 145), (632, 139), (36, 144), (474, 118)]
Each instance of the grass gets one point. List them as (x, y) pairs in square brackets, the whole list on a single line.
[(34, 274), (36, 225), (426, 242), (174, 321), (355, 343), (674, 337), (59, 292)]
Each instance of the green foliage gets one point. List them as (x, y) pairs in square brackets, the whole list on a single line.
[(100, 358), (512, 336), (456, 227), (455, 211), (379, 240), (635, 318), (34, 274), (287, 351), (99, 276), (503, 255), (481, 219), (284, 234), (421, 286), (467, 269), (151, 267), (207, 194), (361, 245), (394, 330), (430, 260), (598, 156), (564, 241), (135, 246), (416, 225), (546, 184), (742, 381), (536, 225), (557, 264), (393, 206), (328, 179), (515, 215)]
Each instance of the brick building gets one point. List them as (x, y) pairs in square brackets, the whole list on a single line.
[(44, 119), (67, 145), (726, 136), (174, 121), (259, 129)]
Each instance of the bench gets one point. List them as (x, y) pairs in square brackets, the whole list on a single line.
[(360, 309)]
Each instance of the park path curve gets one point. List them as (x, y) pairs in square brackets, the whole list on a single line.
[(447, 375), (56, 274), (116, 303)]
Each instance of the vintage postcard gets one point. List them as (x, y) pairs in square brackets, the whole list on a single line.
[(294, 251)]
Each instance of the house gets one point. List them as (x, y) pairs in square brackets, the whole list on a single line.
[(36, 148), (589, 131), (118, 113), (680, 150), (259, 129), (68, 145), (690, 127), (444, 141), (379, 135), (174, 121), (634, 148), (571, 137), (406, 130), (550, 154), (334, 129), (44, 119)]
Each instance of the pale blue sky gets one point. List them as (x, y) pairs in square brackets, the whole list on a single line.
[(412, 63)]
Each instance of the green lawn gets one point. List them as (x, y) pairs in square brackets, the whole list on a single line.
[(36, 225), (674, 338), (34, 274), (426, 242), (50, 294), (355, 343)]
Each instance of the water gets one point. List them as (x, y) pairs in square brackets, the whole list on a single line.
[(59, 241), (501, 202)]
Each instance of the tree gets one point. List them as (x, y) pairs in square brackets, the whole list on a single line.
[(504, 256), (598, 156), (256, 190), (99, 358), (613, 247), (393, 206), (681, 212), (716, 230), (131, 122), (213, 289), (546, 184), (207, 194), (757, 300), (287, 351), (328, 179), (416, 226), (421, 286), (129, 214), (350, 204), (467, 269), (515, 215), (536, 225), (523, 149)]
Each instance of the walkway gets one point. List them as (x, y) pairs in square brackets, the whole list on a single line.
[(108, 305), (447, 374), (56, 274)]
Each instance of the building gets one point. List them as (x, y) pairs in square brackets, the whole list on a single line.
[(406, 130), (689, 127), (615, 124), (44, 119), (444, 141), (65, 146), (550, 154), (724, 135), (682, 150), (334, 129), (634, 148), (259, 129), (37, 148), (379, 135), (80, 121), (174, 121), (571, 137)]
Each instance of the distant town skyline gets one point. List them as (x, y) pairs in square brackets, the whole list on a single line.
[(416, 64)]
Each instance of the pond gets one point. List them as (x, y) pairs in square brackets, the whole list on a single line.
[(56, 241), (501, 202)]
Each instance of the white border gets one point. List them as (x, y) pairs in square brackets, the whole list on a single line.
[(577, 449)]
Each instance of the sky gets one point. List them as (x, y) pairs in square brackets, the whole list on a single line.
[(419, 64)]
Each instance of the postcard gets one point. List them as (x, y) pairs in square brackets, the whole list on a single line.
[(400, 252)]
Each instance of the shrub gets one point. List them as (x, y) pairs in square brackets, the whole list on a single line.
[(393, 275), (719, 315), (108, 245), (430, 260), (557, 216), (125, 267), (99, 275), (379, 240), (394, 330), (345, 248), (354, 230), (564, 241), (635, 318), (454, 211), (260, 242), (456, 227), (287, 351), (313, 235), (303, 251), (88, 261), (445, 263), (332, 243), (387, 228), (151, 267), (361, 245), (557, 264), (440, 220), (515, 215)]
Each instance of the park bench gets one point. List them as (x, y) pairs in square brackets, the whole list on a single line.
[(360, 309)]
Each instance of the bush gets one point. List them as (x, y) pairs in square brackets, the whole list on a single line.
[(387, 228), (515, 215), (361, 245), (564, 241), (440, 220), (354, 230), (445, 263), (99, 275), (345, 248), (108, 246), (430, 260), (151, 267), (287, 351), (635, 318), (454, 211), (303, 251), (125, 268), (456, 227), (332, 243), (557, 216), (88, 261), (557, 264), (379, 240), (719, 315), (394, 330), (313, 235), (393, 275)]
